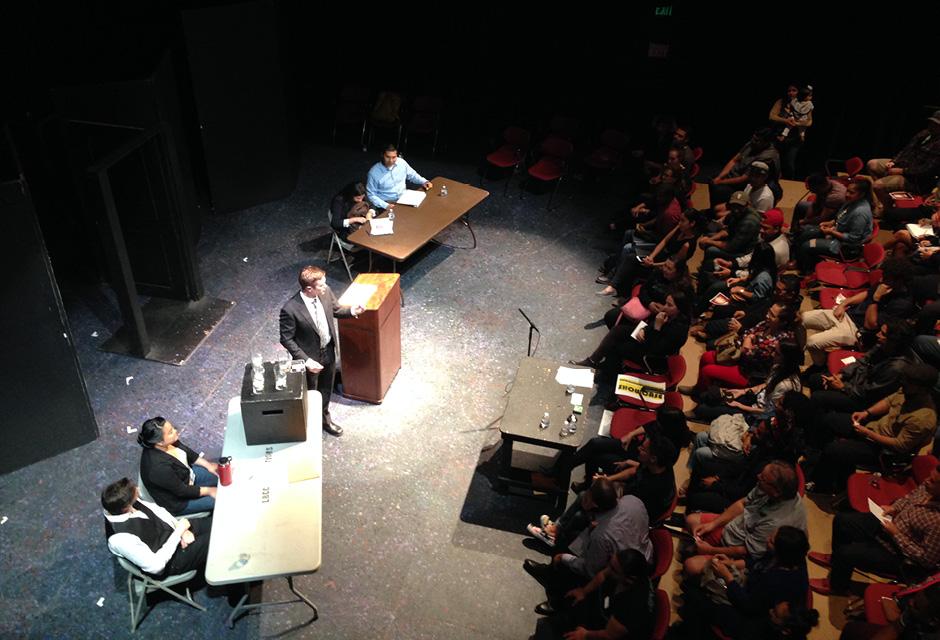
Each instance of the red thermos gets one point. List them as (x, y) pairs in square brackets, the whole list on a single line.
[(225, 471)]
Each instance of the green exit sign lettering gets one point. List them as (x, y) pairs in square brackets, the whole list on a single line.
[(664, 11)]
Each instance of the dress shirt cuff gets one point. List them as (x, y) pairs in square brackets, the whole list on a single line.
[(346, 223)]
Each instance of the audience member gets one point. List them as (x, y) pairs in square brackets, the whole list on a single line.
[(742, 530), (842, 237), (900, 424), (914, 168), (862, 541)]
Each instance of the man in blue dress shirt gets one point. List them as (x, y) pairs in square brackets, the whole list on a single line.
[(388, 179)]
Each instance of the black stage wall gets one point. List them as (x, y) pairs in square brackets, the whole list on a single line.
[(239, 87), (45, 403)]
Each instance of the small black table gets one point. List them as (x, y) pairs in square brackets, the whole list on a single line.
[(534, 392)]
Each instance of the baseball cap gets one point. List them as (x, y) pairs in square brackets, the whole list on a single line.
[(740, 198)]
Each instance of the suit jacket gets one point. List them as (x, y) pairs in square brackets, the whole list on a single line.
[(298, 333)]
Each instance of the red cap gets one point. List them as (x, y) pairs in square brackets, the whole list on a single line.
[(774, 217)]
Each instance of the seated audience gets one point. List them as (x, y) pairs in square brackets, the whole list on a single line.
[(625, 586), (900, 424), (751, 362), (717, 483), (738, 597), (636, 261), (739, 235), (860, 315), (741, 531), (177, 478), (841, 237), (913, 169), (828, 198), (619, 524), (871, 377), (862, 541), (733, 175), (661, 337)]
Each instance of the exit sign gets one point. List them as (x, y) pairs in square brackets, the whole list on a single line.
[(664, 11)]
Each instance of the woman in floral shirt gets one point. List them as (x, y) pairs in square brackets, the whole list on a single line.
[(759, 347)]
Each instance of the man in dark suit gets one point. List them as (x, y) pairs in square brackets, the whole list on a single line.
[(307, 333)]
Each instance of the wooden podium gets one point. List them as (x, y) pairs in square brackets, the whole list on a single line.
[(370, 345)]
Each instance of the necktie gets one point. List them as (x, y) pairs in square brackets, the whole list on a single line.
[(319, 322)]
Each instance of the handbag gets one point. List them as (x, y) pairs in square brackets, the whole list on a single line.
[(727, 349)]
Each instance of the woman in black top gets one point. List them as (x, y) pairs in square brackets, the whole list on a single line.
[(179, 479), (348, 209), (663, 335)]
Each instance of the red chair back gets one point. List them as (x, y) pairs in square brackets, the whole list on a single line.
[(676, 370), (557, 147), (673, 399), (662, 552), (517, 137), (922, 467), (854, 165), (873, 254)]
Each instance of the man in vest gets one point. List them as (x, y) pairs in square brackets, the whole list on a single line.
[(146, 535)]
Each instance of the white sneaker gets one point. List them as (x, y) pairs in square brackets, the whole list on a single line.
[(545, 521), (537, 532)]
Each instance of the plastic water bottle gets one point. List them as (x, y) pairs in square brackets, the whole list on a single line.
[(443, 190), (543, 423)]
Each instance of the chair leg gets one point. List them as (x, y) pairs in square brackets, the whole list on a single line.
[(136, 603), (342, 254), (329, 255), (554, 191), (362, 136)]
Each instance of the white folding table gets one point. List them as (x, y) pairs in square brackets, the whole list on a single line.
[(267, 522)]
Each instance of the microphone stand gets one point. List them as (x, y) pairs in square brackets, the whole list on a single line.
[(532, 328)]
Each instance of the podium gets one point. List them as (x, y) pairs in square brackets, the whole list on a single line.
[(370, 345)]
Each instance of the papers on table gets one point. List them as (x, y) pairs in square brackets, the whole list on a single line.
[(878, 512), (358, 293), (381, 227), (638, 330), (576, 377), (918, 231), (412, 197), (577, 399)]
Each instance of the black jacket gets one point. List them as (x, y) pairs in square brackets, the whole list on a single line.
[(167, 479)]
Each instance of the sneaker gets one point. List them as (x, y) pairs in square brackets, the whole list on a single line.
[(545, 521), (822, 559), (537, 532)]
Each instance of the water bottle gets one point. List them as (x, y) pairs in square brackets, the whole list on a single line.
[(257, 373), (443, 190), (543, 423), (391, 214)]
